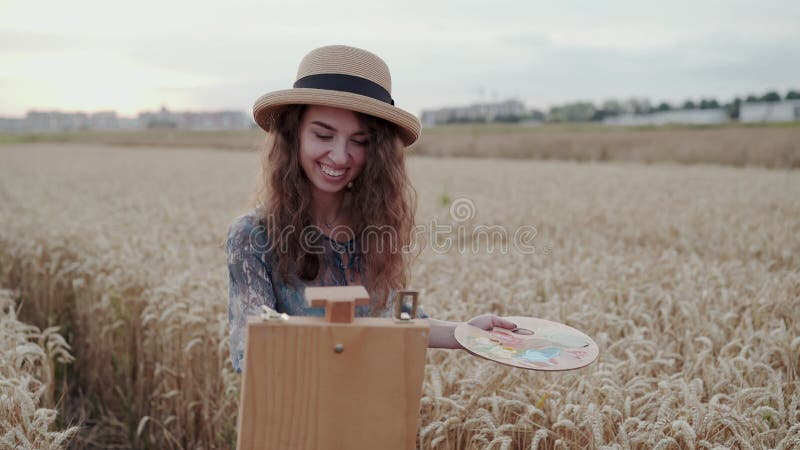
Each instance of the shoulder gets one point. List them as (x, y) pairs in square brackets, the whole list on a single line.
[(247, 233), (244, 224)]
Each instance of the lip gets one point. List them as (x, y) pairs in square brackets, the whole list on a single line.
[(329, 177)]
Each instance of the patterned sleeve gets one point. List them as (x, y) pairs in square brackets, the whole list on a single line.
[(250, 285)]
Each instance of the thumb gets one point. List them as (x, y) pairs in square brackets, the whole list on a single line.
[(503, 323)]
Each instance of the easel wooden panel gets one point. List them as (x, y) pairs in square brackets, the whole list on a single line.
[(299, 393)]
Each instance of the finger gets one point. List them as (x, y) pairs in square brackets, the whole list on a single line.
[(503, 323), (485, 325), (482, 319)]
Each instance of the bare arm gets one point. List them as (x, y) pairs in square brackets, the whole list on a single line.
[(443, 332)]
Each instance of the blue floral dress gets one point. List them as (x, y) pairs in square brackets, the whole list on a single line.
[(252, 282)]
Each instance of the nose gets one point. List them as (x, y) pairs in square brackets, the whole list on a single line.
[(338, 153)]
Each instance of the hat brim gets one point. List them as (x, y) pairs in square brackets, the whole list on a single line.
[(266, 107)]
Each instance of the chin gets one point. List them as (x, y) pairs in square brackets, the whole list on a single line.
[(325, 187)]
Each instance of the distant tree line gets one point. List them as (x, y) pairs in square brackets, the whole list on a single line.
[(585, 111)]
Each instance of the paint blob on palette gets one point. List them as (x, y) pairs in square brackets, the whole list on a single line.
[(536, 344)]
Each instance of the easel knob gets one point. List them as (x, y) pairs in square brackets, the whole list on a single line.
[(339, 301)]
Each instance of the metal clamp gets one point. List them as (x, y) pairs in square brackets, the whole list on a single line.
[(397, 297)]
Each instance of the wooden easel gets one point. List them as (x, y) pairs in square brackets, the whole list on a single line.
[(337, 382)]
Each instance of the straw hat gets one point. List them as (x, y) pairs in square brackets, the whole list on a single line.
[(343, 77)]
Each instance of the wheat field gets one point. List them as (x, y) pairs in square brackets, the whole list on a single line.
[(28, 358), (762, 145), (687, 277)]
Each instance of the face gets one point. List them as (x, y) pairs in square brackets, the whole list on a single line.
[(333, 147)]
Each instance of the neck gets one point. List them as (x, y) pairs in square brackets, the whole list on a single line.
[(327, 207)]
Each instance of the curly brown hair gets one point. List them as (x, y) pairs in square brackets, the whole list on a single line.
[(382, 199)]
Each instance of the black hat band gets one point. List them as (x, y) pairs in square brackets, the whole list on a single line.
[(345, 83)]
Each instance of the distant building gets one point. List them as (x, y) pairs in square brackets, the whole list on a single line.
[(478, 112), (54, 121), (161, 119), (782, 111), (57, 121), (216, 120), (11, 125), (221, 120), (103, 120), (129, 123), (678, 117)]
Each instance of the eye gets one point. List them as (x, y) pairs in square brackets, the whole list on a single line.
[(324, 137), (360, 143)]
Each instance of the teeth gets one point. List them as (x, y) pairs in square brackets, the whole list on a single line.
[(331, 172)]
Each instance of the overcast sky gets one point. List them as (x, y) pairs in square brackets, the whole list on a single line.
[(132, 56)]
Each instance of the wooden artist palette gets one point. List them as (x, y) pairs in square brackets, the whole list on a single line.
[(536, 344)]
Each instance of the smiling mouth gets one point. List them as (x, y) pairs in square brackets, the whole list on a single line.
[(331, 172)]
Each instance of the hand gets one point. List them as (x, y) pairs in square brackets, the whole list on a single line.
[(488, 321), (442, 333)]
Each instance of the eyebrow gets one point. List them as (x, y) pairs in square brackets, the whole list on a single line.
[(329, 127)]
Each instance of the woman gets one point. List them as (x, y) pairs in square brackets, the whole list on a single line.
[(336, 206)]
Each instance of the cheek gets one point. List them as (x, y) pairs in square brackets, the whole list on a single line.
[(309, 149), (309, 153), (359, 159)]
